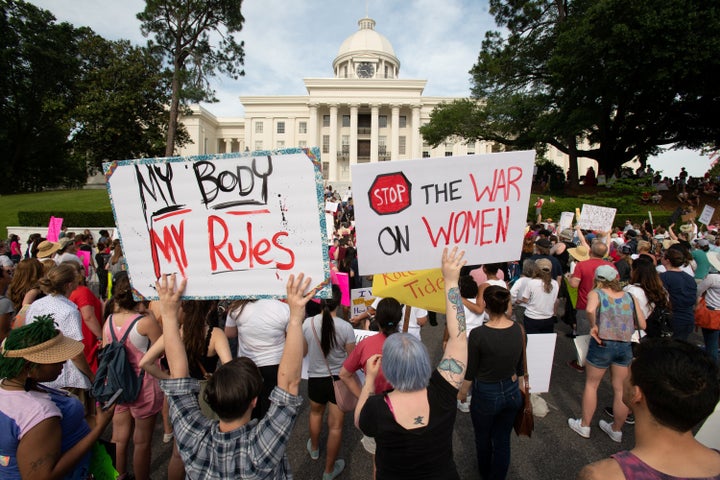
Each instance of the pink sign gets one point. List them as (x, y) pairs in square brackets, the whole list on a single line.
[(54, 226), (85, 256), (342, 280)]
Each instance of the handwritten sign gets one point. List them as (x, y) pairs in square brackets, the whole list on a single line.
[(596, 218), (566, 219), (236, 225), (406, 212), (54, 227), (422, 288), (360, 300), (707, 215)]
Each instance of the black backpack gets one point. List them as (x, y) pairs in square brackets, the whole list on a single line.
[(659, 323), (115, 370)]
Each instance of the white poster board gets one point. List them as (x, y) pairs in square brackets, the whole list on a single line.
[(360, 299), (596, 218), (236, 225), (540, 354), (566, 219), (707, 215), (406, 212)]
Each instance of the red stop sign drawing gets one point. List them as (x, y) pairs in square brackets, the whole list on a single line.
[(390, 193)]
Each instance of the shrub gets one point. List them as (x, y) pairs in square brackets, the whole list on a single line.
[(70, 219)]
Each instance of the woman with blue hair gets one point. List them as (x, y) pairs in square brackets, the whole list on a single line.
[(413, 424)]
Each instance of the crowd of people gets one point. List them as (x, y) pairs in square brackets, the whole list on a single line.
[(225, 376)]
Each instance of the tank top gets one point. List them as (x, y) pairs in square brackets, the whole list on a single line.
[(616, 319), (209, 363), (635, 469)]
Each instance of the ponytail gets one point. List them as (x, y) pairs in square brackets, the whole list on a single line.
[(327, 334)]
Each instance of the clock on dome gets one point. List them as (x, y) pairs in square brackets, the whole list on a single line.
[(365, 70)]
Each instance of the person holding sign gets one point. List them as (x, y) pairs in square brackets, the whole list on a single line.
[(233, 447), (413, 424)]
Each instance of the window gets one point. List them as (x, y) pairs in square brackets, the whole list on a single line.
[(326, 120), (382, 121), (302, 127), (382, 145), (258, 127), (325, 169), (281, 127), (346, 120), (280, 144), (403, 121), (426, 154), (401, 144), (258, 145), (345, 140), (470, 153), (448, 154), (326, 144), (302, 143)]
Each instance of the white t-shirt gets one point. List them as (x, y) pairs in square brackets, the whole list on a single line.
[(472, 319), (540, 304), (344, 335), (261, 330), (415, 313)]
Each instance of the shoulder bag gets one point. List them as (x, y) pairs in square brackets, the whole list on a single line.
[(524, 421), (344, 398)]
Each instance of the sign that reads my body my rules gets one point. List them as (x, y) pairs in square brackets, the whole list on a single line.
[(406, 212), (236, 225)]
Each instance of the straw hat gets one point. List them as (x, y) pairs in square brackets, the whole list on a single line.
[(544, 264), (687, 228), (579, 253), (47, 248), (714, 259), (56, 350), (667, 243)]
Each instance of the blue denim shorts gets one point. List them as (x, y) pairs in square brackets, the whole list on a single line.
[(610, 352)]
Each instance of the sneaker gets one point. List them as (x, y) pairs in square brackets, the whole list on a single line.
[(576, 425), (337, 470), (607, 428), (167, 437), (630, 420), (575, 366), (314, 454), (463, 406)]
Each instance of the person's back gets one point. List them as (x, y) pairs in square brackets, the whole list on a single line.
[(671, 388)]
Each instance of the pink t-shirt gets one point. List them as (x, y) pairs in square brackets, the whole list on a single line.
[(360, 355)]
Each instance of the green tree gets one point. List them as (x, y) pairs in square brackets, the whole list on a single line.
[(39, 65), (185, 30), (602, 79), (122, 106)]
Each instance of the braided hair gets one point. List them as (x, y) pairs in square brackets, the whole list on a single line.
[(40, 331)]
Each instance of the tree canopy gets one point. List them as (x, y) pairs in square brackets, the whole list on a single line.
[(196, 37), (605, 79)]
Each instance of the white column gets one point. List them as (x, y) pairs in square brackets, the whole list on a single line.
[(353, 133), (395, 133), (312, 128), (374, 128), (332, 157), (416, 138), (228, 145)]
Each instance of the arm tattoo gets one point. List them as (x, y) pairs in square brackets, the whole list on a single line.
[(455, 371), (457, 305), (418, 421)]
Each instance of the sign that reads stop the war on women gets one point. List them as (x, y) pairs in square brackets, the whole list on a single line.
[(406, 212), (235, 225)]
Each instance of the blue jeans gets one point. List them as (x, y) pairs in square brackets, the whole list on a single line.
[(493, 409), (711, 342)]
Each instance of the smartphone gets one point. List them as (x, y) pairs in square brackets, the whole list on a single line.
[(112, 399)]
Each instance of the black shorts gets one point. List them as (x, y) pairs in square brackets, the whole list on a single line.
[(320, 389)]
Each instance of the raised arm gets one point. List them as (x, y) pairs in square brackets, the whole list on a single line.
[(454, 362), (581, 237), (288, 378), (174, 348)]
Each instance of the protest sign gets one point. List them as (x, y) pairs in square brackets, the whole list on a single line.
[(342, 280), (360, 300), (422, 288), (331, 207), (406, 212), (54, 227), (236, 225), (707, 215), (540, 352), (566, 219), (596, 218)]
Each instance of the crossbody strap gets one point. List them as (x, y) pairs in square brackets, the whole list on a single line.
[(312, 325), (524, 353), (406, 323)]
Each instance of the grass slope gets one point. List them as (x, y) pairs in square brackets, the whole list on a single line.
[(61, 200)]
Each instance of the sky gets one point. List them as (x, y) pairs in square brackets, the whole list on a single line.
[(286, 41)]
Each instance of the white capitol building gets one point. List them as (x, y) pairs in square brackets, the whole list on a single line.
[(365, 113)]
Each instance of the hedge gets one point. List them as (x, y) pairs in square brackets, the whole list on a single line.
[(70, 219)]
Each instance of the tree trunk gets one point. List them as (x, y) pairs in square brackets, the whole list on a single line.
[(573, 176), (174, 109)]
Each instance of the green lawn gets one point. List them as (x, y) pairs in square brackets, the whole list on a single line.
[(65, 200)]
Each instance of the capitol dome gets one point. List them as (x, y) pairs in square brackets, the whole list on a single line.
[(367, 50)]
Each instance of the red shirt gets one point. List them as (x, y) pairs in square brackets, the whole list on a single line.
[(360, 355), (585, 271), (82, 297)]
